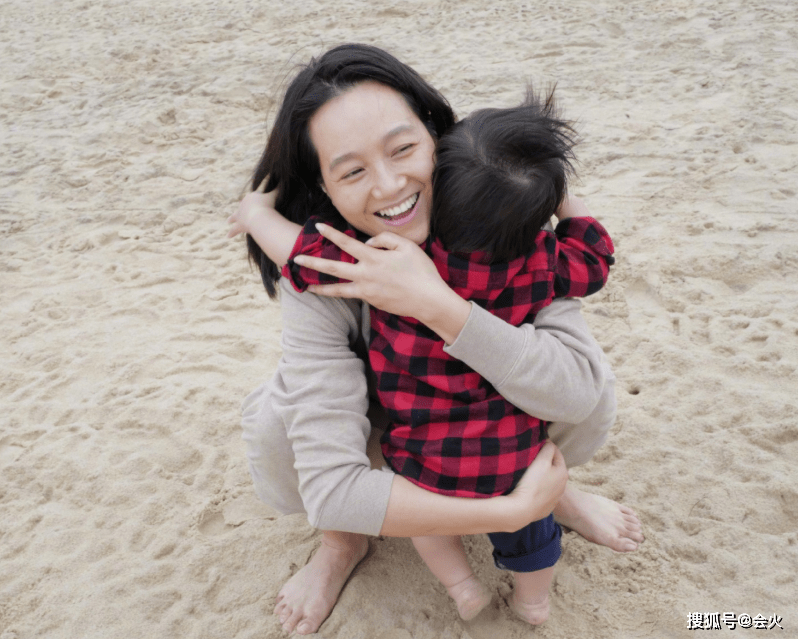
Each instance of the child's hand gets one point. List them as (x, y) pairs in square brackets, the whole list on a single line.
[(257, 216), (571, 207), (253, 205)]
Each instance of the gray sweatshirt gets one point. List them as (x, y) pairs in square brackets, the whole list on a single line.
[(553, 370)]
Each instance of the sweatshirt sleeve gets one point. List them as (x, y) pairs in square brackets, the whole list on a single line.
[(320, 392), (551, 369)]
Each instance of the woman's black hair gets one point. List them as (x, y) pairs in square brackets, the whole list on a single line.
[(290, 161), (500, 175)]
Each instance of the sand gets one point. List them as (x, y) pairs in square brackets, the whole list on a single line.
[(132, 329)]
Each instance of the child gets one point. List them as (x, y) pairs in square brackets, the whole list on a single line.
[(500, 176)]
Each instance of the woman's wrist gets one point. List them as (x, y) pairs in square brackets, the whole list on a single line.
[(446, 314), (414, 512), (509, 514), (516, 512)]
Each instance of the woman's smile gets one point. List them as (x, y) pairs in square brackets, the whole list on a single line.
[(402, 213), (376, 160)]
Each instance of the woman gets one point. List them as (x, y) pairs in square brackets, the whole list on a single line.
[(355, 138)]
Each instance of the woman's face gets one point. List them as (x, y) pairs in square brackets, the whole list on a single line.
[(376, 161)]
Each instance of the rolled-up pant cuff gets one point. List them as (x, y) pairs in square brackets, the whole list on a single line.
[(534, 547)]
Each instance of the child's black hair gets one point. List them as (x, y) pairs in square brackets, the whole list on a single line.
[(500, 175)]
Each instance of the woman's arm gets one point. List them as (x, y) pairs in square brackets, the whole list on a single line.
[(395, 275), (551, 369), (319, 392), (413, 511)]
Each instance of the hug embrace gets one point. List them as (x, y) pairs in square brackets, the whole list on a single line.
[(426, 300)]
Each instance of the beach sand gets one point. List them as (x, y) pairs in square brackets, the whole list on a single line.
[(132, 328)]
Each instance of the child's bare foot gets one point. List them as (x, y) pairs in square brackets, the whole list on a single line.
[(598, 519), (470, 596), (530, 598), (533, 612), (308, 598)]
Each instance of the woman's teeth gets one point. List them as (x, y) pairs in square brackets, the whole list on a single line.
[(399, 208)]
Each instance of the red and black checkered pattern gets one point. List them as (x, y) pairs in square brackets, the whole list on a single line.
[(451, 431)]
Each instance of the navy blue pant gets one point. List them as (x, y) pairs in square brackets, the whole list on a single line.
[(534, 547)]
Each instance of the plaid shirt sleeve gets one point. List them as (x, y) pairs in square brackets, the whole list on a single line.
[(311, 242), (584, 257)]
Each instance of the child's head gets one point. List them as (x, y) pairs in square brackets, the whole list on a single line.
[(500, 175)]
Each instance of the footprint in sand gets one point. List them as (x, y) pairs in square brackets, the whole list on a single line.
[(212, 524)]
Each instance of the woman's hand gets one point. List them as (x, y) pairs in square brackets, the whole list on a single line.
[(540, 488), (395, 275), (414, 511)]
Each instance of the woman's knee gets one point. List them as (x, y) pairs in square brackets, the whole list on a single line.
[(579, 442), (269, 454)]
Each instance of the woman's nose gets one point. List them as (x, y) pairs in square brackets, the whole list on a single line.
[(388, 182)]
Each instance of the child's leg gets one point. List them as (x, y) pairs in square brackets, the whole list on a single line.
[(530, 553), (530, 598), (446, 558)]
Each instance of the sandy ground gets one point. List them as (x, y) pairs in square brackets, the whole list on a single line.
[(132, 329)]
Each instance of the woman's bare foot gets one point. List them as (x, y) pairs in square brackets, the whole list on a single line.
[(470, 596), (530, 598), (308, 598), (600, 520)]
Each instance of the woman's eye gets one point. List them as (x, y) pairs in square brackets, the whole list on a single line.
[(404, 149), (352, 173)]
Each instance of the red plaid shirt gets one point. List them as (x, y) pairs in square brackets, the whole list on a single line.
[(451, 431)]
